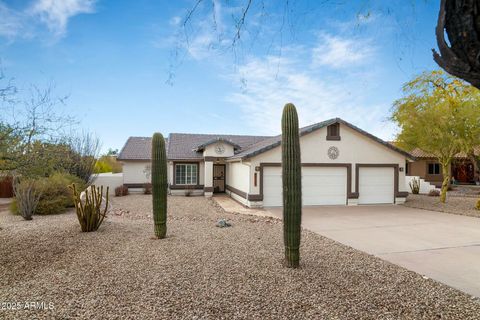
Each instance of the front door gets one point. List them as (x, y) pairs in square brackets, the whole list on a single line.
[(464, 172), (218, 178)]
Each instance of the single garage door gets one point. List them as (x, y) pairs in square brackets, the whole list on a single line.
[(320, 186), (376, 186)]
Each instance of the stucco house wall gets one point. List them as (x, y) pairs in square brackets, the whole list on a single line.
[(419, 168), (354, 148), (237, 177)]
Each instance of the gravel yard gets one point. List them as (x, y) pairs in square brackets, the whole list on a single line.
[(203, 272), (455, 204)]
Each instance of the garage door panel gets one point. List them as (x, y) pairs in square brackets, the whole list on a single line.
[(320, 186), (376, 185)]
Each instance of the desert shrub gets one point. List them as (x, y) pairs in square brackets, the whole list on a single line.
[(477, 206), (56, 197), (415, 186), (434, 193), (147, 188), (27, 198), (121, 191)]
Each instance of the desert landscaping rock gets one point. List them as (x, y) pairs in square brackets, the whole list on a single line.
[(455, 204), (203, 272)]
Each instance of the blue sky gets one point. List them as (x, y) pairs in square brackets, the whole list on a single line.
[(344, 59)]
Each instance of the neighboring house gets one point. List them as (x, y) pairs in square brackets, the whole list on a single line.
[(427, 167), (342, 165)]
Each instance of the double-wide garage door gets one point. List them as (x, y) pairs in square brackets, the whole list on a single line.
[(328, 186), (320, 186)]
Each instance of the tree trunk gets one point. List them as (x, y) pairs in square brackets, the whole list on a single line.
[(460, 20), (446, 181)]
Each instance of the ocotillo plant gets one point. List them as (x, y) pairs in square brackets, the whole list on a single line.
[(159, 185), (292, 185)]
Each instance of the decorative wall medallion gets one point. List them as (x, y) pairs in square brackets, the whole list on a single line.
[(219, 149), (333, 153)]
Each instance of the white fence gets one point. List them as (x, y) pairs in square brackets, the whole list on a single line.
[(111, 180), (425, 186)]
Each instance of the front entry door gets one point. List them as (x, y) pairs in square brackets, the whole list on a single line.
[(218, 178)]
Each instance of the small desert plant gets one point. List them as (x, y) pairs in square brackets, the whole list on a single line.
[(434, 193), (147, 188), (415, 185), (121, 191), (292, 186), (27, 197), (159, 185), (477, 206), (90, 207)]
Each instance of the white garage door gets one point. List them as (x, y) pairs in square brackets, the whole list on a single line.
[(376, 186), (320, 186)]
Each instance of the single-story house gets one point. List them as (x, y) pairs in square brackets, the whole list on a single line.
[(427, 167), (342, 165)]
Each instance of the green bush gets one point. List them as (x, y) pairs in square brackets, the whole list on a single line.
[(478, 205), (55, 194)]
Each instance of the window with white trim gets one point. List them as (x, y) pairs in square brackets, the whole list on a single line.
[(186, 173)]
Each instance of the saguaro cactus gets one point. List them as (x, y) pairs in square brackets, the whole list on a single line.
[(159, 185), (292, 185)]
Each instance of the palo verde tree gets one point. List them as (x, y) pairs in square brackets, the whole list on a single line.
[(440, 115)]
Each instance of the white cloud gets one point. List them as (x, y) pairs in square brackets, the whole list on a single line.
[(56, 13), (271, 82), (341, 52), (10, 22)]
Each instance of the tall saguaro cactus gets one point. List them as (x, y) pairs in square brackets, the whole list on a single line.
[(159, 185), (292, 185)]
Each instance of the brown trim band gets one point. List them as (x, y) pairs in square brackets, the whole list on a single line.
[(186, 187), (208, 189), (244, 195), (135, 185), (236, 191), (211, 158), (394, 166), (255, 197), (334, 138)]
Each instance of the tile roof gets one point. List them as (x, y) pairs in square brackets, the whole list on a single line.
[(137, 148), (420, 154), (184, 146)]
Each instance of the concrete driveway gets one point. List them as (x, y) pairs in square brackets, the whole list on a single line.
[(441, 246)]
